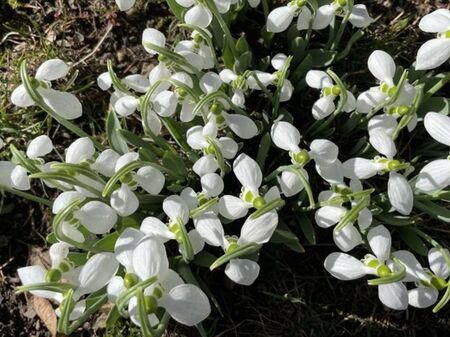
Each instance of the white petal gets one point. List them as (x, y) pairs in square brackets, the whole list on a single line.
[(290, 183), (422, 297), (360, 168), (104, 81), (242, 271), (287, 89), (400, 193), (385, 123), (154, 227), (124, 201), (159, 72), (64, 104), (242, 126), (212, 185), (189, 197), (72, 232), (150, 259), (323, 151), (344, 266), (125, 5), (150, 179), (106, 162), (350, 104), (154, 123), (58, 252), (438, 126), (79, 150), (238, 98), (165, 103), (382, 66), (278, 61), (195, 138), (126, 159), (97, 217), (198, 15), (223, 6), (39, 147), (414, 271), (52, 70), (360, 17), (383, 143), (137, 82), (19, 178), (436, 22), (347, 238), (304, 18), (232, 207), (64, 199), (115, 288), (210, 82), (328, 216), (153, 36), (210, 229), (187, 110), (365, 219), (285, 136), (323, 17), (432, 54), (228, 146), (248, 172), (126, 106), (36, 274), (280, 18), (393, 295), (125, 245), (21, 98), (96, 273), (379, 239), (227, 76), (258, 230), (175, 207), (187, 304), (185, 3), (369, 99), (318, 79), (332, 173), (206, 164), (323, 107), (437, 263)]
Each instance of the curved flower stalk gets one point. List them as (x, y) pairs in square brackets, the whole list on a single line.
[(250, 176), (435, 52), (64, 104), (395, 98), (435, 175), (254, 233), (391, 290), (325, 106), (399, 191), (334, 213), (145, 261), (324, 153)]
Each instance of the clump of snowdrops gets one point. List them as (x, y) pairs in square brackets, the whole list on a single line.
[(219, 164)]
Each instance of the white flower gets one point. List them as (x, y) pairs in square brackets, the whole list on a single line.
[(329, 91), (96, 216), (153, 36), (124, 201), (64, 104), (80, 150), (39, 147), (346, 267), (435, 52)]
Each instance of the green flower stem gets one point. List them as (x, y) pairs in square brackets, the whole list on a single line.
[(352, 214), (341, 30), (27, 195), (306, 185), (223, 25), (196, 212), (37, 98), (445, 78), (239, 252), (282, 77), (88, 313), (441, 195), (188, 250), (275, 204), (218, 154), (174, 57), (117, 83), (125, 297), (56, 287), (161, 328), (146, 328), (66, 309)]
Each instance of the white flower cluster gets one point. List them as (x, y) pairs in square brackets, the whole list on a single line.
[(135, 214)]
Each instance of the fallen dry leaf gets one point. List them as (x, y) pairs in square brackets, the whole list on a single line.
[(45, 311)]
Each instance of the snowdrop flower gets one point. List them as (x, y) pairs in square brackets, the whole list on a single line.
[(105, 162), (144, 257), (238, 83), (80, 150), (329, 91), (345, 267), (153, 36), (435, 52), (62, 103), (178, 213), (96, 216), (250, 176), (196, 52), (20, 179), (257, 231), (125, 5), (435, 175), (124, 201), (198, 14), (206, 164), (39, 147), (399, 191), (428, 283), (200, 138), (322, 151)]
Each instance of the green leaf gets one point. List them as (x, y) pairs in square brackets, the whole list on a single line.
[(396, 220), (117, 143), (176, 9), (413, 241), (307, 228), (138, 142), (322, 57), (107, 243), (113, 317), (289, 239), (297, 47), (433, 210), (436, 104), (242, 46), (78, 259), (175, 163), (204, 259), (263, 150)]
